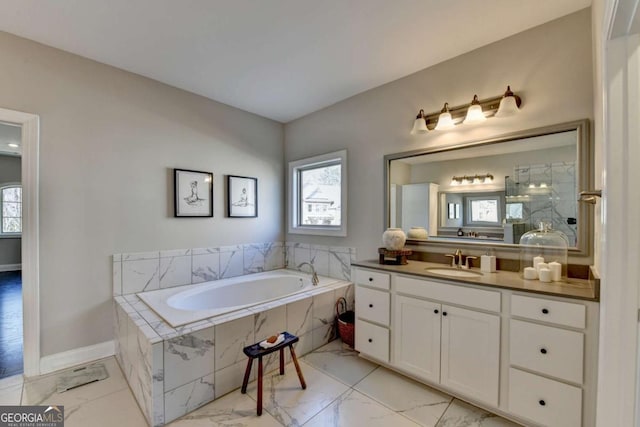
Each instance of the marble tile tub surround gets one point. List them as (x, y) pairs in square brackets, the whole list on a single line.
[(173, 371), (146, 271)]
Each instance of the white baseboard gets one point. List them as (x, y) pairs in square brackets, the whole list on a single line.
[(77, 356), (10, 267)]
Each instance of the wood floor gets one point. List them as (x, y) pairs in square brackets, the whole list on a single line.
[(10, 323)]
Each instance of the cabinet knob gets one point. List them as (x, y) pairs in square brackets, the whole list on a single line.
[(444, 313), (371, 279), (370, 305), (543, 350), (436, 311), (542, 402), (370, 340), (545, 311)]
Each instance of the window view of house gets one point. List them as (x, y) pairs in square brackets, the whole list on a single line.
[(321, 192)]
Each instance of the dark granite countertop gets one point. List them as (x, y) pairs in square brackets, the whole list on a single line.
[(585, 289)]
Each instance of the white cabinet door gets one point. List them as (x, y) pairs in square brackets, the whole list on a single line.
[(417, 337), (471, 353)]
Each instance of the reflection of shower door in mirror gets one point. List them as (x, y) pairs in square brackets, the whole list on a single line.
[(419, 207)]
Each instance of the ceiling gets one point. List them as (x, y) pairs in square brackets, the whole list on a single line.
[(281, 59), (10, 134)]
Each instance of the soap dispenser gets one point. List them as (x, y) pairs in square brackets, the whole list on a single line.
[(488, 262), (460, 233)]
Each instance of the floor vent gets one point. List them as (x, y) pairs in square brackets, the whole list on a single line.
[(82, 376)]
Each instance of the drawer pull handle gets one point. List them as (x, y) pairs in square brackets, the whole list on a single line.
[(370, 305), (542, 402), (543, 350), (371, 279), (370, 340), (444, 313), (436, 311), (545, 311)]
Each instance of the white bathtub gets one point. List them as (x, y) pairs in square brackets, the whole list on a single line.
[(186, 304)]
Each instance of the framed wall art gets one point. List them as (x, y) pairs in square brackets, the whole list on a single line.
[(242, 196), (193, 193)]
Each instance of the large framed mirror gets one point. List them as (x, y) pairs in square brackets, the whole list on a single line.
[(490, 192)]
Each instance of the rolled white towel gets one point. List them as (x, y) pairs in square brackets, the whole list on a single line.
[(265, 344)]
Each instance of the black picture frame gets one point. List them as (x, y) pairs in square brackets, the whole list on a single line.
[(242, 196), (193, 194)]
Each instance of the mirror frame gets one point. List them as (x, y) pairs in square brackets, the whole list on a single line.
[(585, 179)]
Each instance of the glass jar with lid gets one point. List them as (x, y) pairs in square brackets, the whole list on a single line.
[(544, 249)]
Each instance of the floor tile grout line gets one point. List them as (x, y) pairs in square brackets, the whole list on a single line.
[(445, 411)]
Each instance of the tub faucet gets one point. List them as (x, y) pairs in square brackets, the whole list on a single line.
[(314, 275)]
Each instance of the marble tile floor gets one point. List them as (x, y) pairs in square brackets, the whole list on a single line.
[(343, 390)]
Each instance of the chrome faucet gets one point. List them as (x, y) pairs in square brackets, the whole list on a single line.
[(314, 275)]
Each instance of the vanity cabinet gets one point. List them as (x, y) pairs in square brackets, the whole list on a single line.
[(547, 354), (372, 314), (454, 346), (525, 356)]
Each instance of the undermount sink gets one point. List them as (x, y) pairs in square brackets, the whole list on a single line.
[(453, 272)]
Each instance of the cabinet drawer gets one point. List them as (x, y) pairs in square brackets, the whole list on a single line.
[(544, 401), (548, 350), (372, 305), (470, 297), (558, 312), (372, 340), (373, 279)]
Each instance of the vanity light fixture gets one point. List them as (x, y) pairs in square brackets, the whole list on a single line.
[(508, 104), (473, 179), (420, 124), (479, 110), (474, 113), (445, 121)]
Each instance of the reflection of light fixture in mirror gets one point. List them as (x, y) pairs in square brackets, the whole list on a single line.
[(508, 104), (444, 119), (532, 186), (420, 124), (474, 179), (543, 185), (13, 145), (474, 113)]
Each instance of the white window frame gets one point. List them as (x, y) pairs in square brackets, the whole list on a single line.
[(10, 235), (336, 157), (469, 222)]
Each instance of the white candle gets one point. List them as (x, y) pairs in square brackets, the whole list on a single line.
[(530, 273), (556, 271), (545, 275), (541, 266), (537, 260)]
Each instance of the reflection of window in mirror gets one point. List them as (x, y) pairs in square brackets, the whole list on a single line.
[(514, 211), (452, 212), (483, 210), (457, 211)]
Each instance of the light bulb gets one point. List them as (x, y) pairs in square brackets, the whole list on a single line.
[(444, 119)]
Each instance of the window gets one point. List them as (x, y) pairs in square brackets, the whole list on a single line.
[(483, 210), (318, 195), (515, 211), (11, 212)]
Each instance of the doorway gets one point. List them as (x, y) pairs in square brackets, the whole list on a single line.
[(11, 332)]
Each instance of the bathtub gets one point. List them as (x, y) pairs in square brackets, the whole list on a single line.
[(186, 304)]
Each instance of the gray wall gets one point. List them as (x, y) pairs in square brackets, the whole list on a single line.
[(10, 167), (550, 66), (109, 140)]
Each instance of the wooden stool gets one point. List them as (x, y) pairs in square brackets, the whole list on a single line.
[(255, 350)]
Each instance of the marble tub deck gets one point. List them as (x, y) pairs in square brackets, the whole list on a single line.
[(344, 390)]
